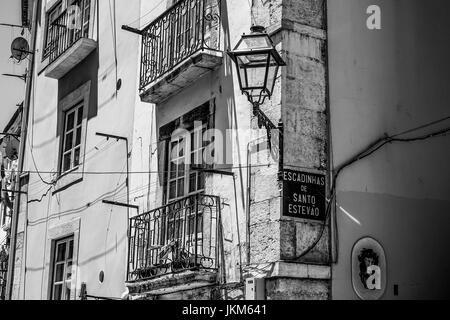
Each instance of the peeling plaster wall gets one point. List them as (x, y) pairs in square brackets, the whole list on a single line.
[(299, 99)]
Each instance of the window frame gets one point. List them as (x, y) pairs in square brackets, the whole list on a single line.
[(77, 97), (183, 225), (77, 131), (58, 5), (57, 232), (187, 168), (55, 263)]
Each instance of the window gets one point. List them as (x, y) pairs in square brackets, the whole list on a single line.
[(73, 128), (62, 269), (184, 155), (71, 135)]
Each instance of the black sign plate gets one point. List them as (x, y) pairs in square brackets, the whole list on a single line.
[(304, 195)]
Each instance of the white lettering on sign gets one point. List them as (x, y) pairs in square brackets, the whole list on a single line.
[(374, 20), (304, 195), (303, 210), (374, 280), (303, 178)]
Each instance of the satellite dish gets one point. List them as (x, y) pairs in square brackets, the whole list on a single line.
[(20, 49), (12, 149)]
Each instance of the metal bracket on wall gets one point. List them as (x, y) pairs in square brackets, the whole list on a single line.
[(264, 121)]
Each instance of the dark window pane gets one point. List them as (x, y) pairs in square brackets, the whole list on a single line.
[(181, 168), (71, 249), (59, 272), (173, 170), (193, 162), (180, 188), (172, 190), (80, 116), (192, 182), (193, 142), (66, 162), (76, 160), (69, 141), (61, 252), (70, 121), (78, 139), (201, 181), (57, 291)]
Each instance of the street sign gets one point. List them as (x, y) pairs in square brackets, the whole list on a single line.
[(304, 195)]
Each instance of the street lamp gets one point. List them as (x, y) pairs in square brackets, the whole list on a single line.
[(257, 62)]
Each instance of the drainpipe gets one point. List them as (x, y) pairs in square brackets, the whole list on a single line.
[(24, 132)]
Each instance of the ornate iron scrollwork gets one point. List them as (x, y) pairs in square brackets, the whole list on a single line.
[(181, 31), (176, 237)]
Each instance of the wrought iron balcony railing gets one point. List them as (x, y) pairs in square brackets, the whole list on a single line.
[(65, 27), (183, 235), (187, 27)]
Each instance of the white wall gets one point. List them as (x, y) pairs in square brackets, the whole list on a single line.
[(103, 241), (389, 81)]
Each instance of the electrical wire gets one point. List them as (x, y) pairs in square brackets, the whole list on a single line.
[(118, 172), (371, 149)]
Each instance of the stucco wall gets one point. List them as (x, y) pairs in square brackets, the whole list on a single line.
[(386, 82), (103, 242)]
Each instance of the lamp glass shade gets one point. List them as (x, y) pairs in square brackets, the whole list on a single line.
[(257, 62)]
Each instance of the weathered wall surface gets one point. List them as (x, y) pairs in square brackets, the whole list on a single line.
[(305, 113), (299, 99), (389, 81), (102, 240)]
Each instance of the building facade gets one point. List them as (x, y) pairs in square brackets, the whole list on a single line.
[(9, 169), (146, 175)]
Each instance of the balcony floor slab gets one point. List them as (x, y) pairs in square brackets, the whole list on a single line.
[(171, 283), (69, 59), (182, 76)]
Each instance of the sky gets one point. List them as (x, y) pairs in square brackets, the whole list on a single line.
[(12, 90)]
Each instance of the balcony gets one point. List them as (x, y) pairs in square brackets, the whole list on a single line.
[(179, 47), (68, 39), (175, 245)]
